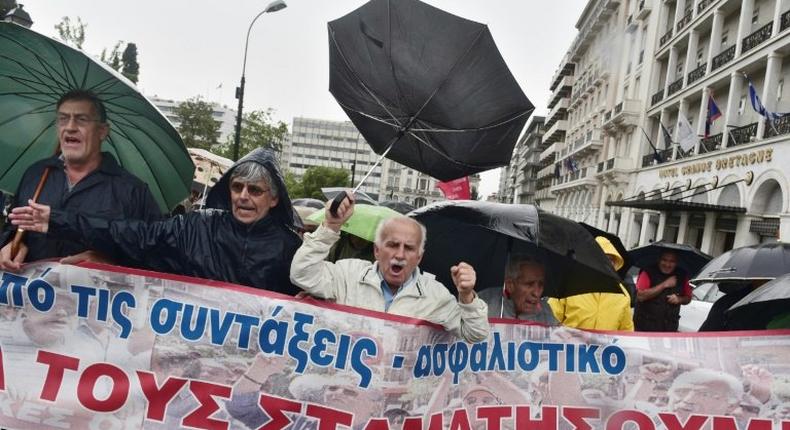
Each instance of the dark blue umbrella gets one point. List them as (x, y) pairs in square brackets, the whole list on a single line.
[(690, 259), (764, 262)]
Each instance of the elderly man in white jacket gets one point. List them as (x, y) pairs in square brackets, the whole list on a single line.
[(393, 283)]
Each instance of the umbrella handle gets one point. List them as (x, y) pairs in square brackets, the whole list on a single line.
[(17, 242), (336, 202)]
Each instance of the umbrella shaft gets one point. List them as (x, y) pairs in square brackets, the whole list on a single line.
[(381, 157)]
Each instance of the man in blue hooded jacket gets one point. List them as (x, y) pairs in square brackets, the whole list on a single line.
[(247, 236)]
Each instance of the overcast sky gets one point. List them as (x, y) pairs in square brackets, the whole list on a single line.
[(192, 47)]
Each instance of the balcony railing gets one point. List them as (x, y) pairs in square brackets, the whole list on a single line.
[(784, 21), (618, 108), (610, 164), (710, 144), (665, 38), (684, 21), (758, 37), (697, 73), (703, 5), (779, 127), (600, 167), (723, 58), (675, 86), (657, 97), (741, 135)]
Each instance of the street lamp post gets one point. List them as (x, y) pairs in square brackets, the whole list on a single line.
[(272, 7)]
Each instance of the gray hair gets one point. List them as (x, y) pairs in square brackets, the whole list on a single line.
[(250, 171), (514, 263), (402, 218), (705, 376)]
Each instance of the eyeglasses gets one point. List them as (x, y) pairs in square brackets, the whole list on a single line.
[(82, 120), (253, 190)]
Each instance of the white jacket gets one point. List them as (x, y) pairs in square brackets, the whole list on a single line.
[(357, 283)]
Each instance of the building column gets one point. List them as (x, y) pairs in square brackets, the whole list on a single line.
[(736, 86), (691, 55), (672, 66), (643, 232), (784, 227), (611, 226), (662, 225), (779, 7), (680, 10), (773, 71), (744, 24), (624, 228), (683, 227), (709, 232), (743, 237), (715, 38), (703, 116)]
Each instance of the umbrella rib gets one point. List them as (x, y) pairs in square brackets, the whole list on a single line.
[(398, 90), (486, 127), (361, 82), (38, 109), (448, 158), (35, 73), (25, 48)]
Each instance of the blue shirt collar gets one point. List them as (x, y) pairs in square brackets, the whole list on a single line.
[(389, 296)]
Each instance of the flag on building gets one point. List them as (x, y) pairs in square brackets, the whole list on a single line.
[(572, 165), (713, 114), (758, 107), (667, 136), (557, 170), (457, 189), (687, 139), (656, 155)]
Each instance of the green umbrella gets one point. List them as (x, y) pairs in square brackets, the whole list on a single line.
[(364, 221), (36, 70)]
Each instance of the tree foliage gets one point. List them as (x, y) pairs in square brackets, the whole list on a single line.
[(196, 124), (72, 32), (314, 179), (258, 130), (122, 57), (131, 68)]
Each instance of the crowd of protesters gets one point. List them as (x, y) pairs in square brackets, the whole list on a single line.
[(249, 233)]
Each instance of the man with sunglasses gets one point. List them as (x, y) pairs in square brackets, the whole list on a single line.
[(246, 236), (80, 178)]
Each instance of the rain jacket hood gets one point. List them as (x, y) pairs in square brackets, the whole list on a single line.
[(609, 249), (219, 196)]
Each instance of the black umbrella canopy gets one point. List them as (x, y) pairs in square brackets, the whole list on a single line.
[(484, 234), (360, 197), (764, 261), (690, 259), (616, 242), (309, 203), (433, 83), (761, 306), (397, 206)]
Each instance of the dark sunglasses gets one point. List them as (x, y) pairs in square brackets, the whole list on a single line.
[(253, 190)]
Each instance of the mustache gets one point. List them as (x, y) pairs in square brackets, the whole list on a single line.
[(397, 262)]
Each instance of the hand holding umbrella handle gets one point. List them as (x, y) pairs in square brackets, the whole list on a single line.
[(19, 232), (337, 201)]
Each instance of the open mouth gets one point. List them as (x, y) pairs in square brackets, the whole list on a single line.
[(72, 140), (397, 267)]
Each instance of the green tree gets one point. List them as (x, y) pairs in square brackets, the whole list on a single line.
[(131, 68), (196, 124), (258, 130), (318, 177), (293, 185), (72, 32), (113, 59)]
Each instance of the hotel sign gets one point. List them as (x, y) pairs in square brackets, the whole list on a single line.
[(721, 163)]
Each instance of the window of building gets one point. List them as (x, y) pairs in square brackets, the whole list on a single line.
[(423, 184), (741, 105), (637, 84), (755, 15), (700, 53), (724, 41), (679, 71), (780, 89)]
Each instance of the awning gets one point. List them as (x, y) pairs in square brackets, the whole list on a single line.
[(675, 205)]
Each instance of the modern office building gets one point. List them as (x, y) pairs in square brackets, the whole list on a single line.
[(668, 164), (225, 116)]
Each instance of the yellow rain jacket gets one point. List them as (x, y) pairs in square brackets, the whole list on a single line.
[(598, 311)]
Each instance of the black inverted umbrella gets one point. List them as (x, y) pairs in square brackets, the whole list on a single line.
[(765, 262), (761, 306), (398, 206), (426, 88), (616, 242), (484, 234), (690, 259)]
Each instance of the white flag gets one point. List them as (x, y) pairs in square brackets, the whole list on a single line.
[(686, 136)]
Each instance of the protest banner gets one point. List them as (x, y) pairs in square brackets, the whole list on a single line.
[(103, 347)]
